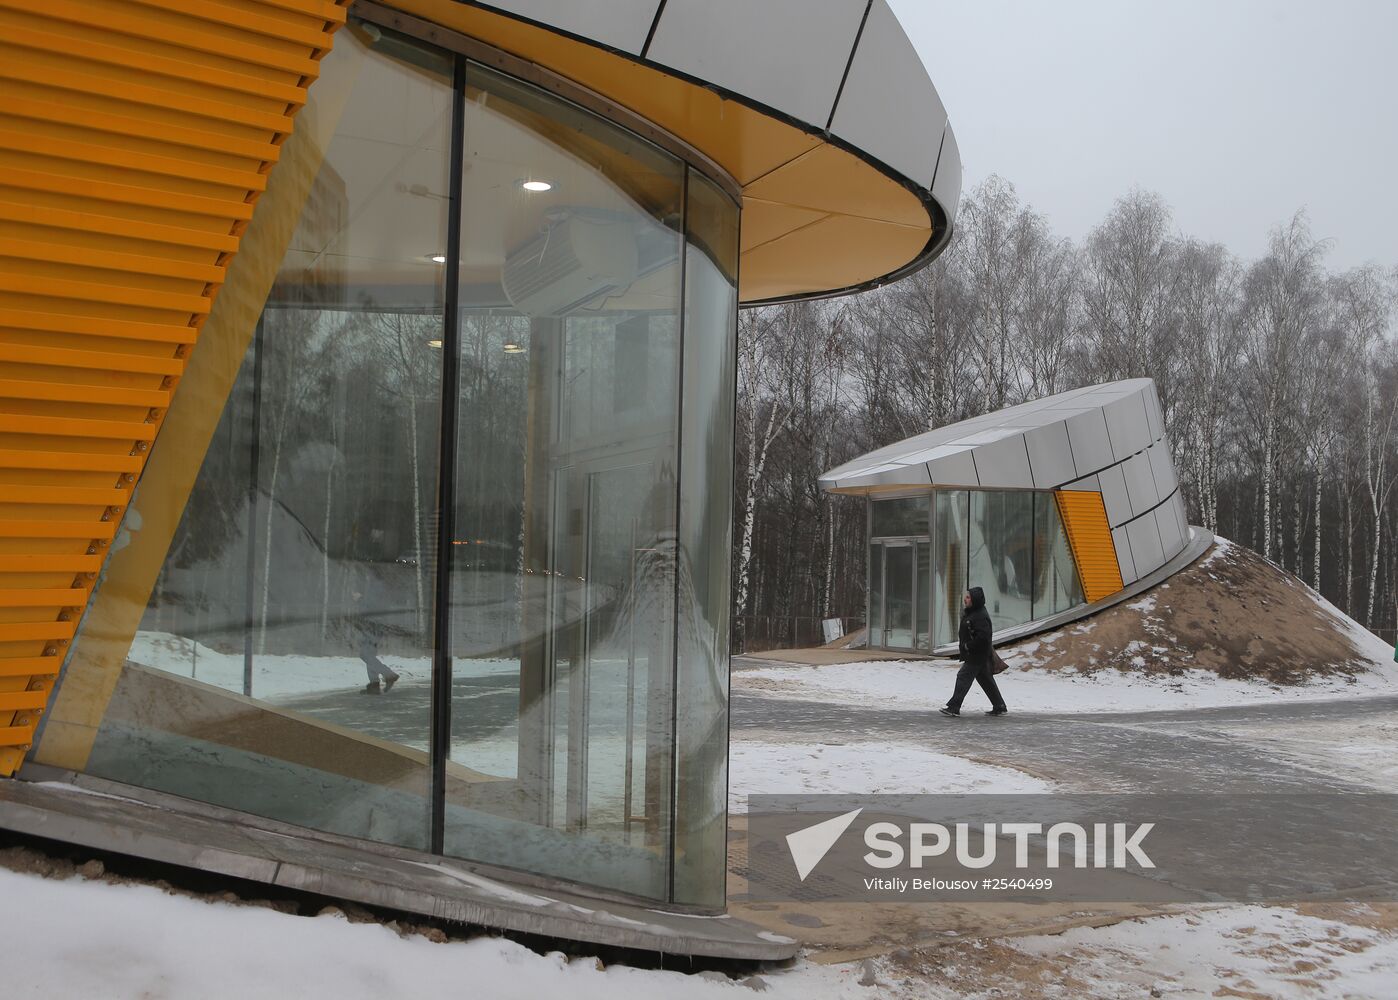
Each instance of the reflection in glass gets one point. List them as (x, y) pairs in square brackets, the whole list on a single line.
[(949, 538), (898, 596), (876, 633), (564, 572), (1001, 554), (1056, 583), (705, 544), (298, 589), (923, 605), (900, 517), (285, 665)]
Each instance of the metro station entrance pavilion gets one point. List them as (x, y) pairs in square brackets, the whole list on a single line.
[(368, 404)]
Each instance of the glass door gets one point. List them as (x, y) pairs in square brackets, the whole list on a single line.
[(899, 595)]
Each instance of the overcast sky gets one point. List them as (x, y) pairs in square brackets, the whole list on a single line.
[(1238, 112)]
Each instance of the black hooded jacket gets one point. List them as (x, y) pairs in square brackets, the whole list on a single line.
[(974, 637)]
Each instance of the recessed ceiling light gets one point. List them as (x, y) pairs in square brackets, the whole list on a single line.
[(513, 349), (536, 185), (435, 343), (438, 258)]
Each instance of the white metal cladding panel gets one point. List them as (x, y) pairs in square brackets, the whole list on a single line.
[(872, 113), (1092, 447), (1146, 550), (1114, 495), (1154, 418), (933, 453), (1183, 517), (898, 474), (1127, 425), (1088, 484), (956, 469), (790, 55), (619, 24), (1050, 456), (1162, 467), (1169, 526), (1140, 484), (946, 186), (1123, 556), (1004, 463)]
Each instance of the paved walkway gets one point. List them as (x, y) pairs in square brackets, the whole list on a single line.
[(1289, 747), (1257, 748)]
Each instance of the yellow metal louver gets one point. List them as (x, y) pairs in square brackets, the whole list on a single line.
[(135, 138), (1085, 520)]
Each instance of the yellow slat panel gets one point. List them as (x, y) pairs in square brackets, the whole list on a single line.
[(135, 139), (116, 55), (16, 736), (20, 319), (30, 666), (130, 21), (70, 114), (1090, 538)]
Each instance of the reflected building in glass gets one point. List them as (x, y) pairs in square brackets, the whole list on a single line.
[(371, 384), (1056, 508)]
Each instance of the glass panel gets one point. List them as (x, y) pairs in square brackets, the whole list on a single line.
[(706, 544), (924, 601), (876, 636), (949, 582), (896, 518), (300, 577), (1001, 562), (1056, 584), (898, 595), (563, 576)]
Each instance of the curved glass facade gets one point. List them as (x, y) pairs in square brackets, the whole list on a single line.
[(454, 574), (1011, 543)]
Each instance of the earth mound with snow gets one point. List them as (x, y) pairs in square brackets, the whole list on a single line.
[(1231, 613)]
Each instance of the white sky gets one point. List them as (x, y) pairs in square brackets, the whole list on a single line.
[(1238, 112)]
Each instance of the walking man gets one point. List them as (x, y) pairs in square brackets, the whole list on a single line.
[(974, 654), (367, 639)]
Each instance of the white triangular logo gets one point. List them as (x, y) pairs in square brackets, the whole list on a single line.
[(808, 846)]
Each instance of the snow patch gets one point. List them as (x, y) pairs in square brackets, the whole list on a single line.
[(862, 768)]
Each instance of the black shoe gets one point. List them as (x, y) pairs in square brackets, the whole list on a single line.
[(1002, 710), (388, 684), (951, 712), (371, 688)]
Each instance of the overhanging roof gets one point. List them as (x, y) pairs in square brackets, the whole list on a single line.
[(1045, 444), (820, 110)]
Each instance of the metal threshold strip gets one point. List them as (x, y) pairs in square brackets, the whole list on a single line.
[(109, 816)]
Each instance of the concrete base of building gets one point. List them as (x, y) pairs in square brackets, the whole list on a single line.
[(110, 816)]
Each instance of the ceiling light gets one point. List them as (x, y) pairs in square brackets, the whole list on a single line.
[(435, 343), (438, 258), (513, 349), (536, 185)]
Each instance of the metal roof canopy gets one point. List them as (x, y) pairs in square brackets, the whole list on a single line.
[(822, 113)]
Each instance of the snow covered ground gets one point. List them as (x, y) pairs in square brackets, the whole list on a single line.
[(1028, 686), (862, 768), (278, 677), (1238, 951), (82, 938)]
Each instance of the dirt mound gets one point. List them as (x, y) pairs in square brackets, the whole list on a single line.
[(1231, 612)]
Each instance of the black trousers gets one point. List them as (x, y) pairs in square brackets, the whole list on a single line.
[(980, 673)]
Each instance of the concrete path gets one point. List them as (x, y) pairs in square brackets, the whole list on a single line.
[(1284, 747), (1329, 746)]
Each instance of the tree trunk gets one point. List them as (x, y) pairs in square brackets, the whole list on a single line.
[(1315, 556)]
